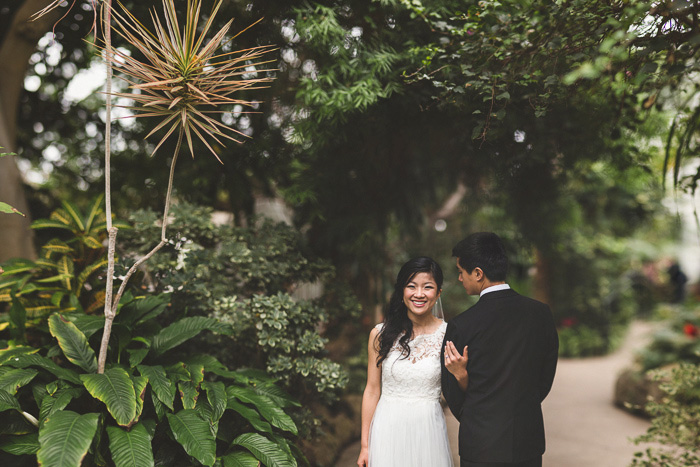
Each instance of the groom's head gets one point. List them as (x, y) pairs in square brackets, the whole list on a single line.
[(481, 257)]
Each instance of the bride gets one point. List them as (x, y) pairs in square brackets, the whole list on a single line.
[(402, 421)]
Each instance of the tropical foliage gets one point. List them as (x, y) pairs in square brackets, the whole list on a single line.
[(65, 277), (153, 404)]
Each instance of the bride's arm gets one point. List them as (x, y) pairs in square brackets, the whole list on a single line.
[(370, 398)]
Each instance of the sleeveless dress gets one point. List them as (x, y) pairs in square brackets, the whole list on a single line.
[(408, 428)]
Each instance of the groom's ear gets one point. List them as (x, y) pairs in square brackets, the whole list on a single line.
[(478, 273)]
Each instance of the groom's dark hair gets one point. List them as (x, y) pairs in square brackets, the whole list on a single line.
[(486, 251)]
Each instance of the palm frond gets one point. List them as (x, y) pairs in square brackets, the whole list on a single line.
[(184, 78)]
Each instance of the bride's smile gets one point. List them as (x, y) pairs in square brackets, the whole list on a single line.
[(420, 294)]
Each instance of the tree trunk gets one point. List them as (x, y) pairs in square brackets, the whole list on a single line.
[(15, 50)]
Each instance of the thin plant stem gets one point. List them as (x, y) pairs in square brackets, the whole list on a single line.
[(109, 318), (109, 311), (163, 239)]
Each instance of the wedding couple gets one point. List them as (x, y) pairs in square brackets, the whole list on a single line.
[(494, 363)]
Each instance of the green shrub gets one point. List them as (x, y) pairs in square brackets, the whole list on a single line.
[(678, 340), (676, 420), (247, 277)]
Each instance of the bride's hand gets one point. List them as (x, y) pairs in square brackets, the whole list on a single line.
[(363, 460), (455, 362)]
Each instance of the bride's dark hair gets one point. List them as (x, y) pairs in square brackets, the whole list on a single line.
[(397, 324)]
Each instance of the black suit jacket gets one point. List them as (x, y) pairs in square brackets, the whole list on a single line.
[(513, 348)]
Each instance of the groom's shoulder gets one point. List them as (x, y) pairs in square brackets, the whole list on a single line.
[(466, 315)]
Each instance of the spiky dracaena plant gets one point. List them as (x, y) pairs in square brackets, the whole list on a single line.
[(184, 80)]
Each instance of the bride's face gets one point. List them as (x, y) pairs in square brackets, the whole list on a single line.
[(420, 294)]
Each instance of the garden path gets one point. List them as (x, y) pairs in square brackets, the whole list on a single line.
[(584, 428)]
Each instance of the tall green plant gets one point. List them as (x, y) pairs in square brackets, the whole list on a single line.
[(181, 79)]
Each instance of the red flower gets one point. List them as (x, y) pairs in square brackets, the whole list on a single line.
[(690, 330), (568, 322)]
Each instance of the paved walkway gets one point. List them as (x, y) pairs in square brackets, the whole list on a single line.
[(584, 428)]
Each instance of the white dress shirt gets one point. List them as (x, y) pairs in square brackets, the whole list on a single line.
[(494, 288)]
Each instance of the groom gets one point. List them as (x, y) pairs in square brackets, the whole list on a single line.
[(508, 368)]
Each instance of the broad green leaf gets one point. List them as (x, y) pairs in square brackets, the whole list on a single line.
[(267, 408), (27, 360), (140, 383), (275, 393), (11, 352), (16, 266), (216, 394), (249, 414), (14, 379), (188, 394), (205, 411), (240, 459), (196, 372), (57, 401), (136, 356), (193, 433), (116, 390), (161, 385), (74, 213), (46, 263), (205, 361), (139, 310), (73, 343), (7, 282), (158, 406), (265, 450), (20, 445), (130, 448), (50, 224), (87, 324), (183, 330), (7, 209), (8, 402), (12, 422), (65, 438), (56, 278)]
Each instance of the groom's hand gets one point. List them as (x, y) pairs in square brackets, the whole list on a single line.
[(456, 364)]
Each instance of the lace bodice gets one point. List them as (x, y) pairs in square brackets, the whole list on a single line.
[(418, 376)]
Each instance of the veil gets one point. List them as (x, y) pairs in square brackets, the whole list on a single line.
[(437, 309)]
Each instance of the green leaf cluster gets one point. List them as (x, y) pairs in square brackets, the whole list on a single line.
[(675, 427), (63, 278), (145, 410), (284, 331)]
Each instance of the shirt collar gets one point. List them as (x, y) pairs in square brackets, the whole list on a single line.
[(494, 288)]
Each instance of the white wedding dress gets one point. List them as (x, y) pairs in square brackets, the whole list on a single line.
[(408, 428)]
